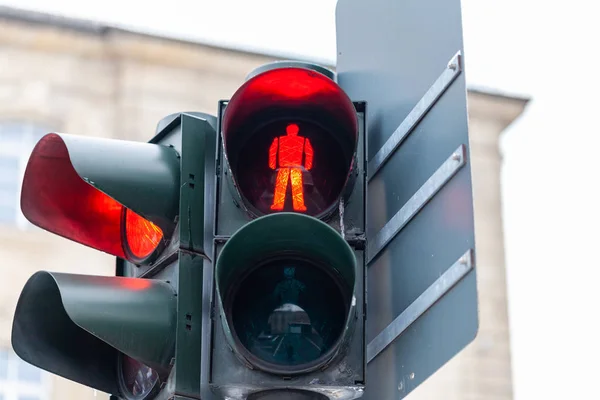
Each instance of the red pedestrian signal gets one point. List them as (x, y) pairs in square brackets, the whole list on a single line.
[(290, 135), (286, 154), (289, 226)]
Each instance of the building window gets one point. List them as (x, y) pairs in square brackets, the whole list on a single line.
[(20, 380), (17, 139)]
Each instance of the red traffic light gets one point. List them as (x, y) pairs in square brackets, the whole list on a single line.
[(142, 237), (290, 136), (56, 197)]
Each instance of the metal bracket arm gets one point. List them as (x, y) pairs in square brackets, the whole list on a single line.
[(433, 185), (418, 307), (415, 116)]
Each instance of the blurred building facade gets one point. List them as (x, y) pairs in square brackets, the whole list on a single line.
[(84, 78)]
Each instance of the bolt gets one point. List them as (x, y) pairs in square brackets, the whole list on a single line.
[(452, 65)]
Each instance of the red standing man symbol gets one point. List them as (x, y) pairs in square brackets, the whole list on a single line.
[(288, 151)]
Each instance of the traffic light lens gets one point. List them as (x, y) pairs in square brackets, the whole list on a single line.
[(291, 166), (143, 237), (290, 136), (289, 313), (138, 379)]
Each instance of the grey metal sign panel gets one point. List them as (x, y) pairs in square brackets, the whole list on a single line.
[(405, 59)]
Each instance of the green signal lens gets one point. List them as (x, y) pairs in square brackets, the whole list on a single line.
[(285, 284), (289, 312)]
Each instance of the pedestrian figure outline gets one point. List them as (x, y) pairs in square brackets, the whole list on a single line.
[(288, 290), (287, 153)]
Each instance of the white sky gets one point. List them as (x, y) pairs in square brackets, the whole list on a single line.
[(545, 49)]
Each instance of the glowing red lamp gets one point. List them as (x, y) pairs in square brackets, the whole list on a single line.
[(290, 135), (56, 198)]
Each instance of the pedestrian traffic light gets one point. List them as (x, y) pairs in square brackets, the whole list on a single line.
[(296, 121), (289, 238), (122, 334)]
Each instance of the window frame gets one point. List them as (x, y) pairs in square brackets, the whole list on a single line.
[(29, 133), (13, 389)]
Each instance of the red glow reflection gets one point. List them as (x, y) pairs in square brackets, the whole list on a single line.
[(287, 152), (134, 283)]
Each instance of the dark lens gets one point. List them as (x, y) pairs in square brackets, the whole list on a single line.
[(289, 313), (291, 166), (138, 378)]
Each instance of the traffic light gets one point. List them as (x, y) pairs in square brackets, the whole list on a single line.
[(289, 238), (149, 205), (241, 239)]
